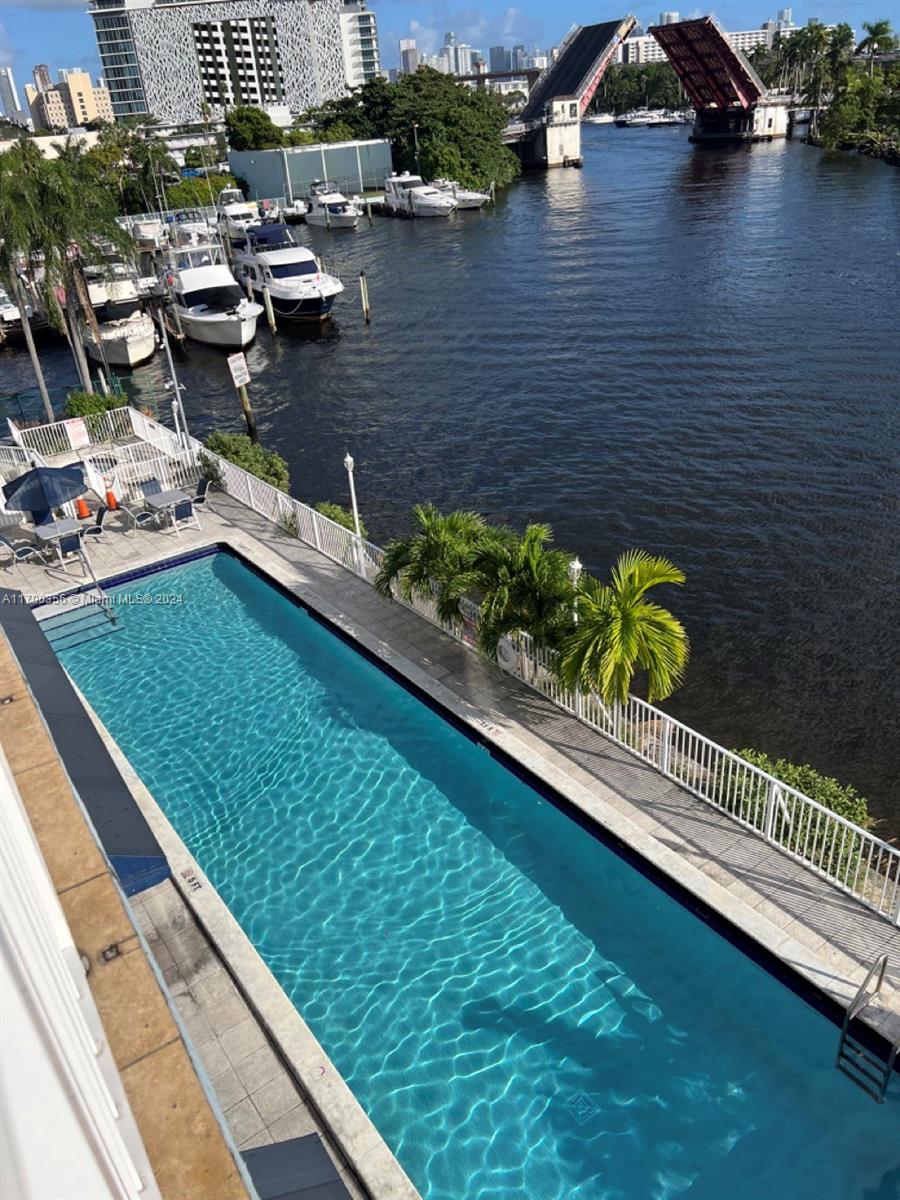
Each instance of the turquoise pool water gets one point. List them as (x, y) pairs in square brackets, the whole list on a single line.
[(523, 1015)]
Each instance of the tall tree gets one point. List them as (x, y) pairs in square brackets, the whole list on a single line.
[(620, 631), (878, 39), (20, 220), (249, 128), (437, 561)]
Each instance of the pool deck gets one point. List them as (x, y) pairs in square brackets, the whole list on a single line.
[(811, 926)]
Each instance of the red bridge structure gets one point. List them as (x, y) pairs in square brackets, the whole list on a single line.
[(548, 132), (730, 100)]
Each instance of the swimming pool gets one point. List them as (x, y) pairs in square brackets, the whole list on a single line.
[(523, 1014)]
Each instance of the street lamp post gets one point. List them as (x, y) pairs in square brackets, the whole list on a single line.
[(575, 569), (415, 130), (348, 467)]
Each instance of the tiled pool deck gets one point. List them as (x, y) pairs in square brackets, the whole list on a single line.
[(811, 926)]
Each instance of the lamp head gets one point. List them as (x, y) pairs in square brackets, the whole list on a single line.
[(348, 462)]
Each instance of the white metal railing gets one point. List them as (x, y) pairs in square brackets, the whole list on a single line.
[(850, 857), (75, 433)]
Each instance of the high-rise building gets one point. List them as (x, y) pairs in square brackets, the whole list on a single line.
[(668, 18), (463, 65), (172, 57), (518, 56), (501, 59), (9, 97), (74, 101), (409, 56), (41, 76), (359, 35)]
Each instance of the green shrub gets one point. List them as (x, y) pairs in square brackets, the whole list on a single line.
[(251, 457), (85, 404), (340, 516), (845, 801)]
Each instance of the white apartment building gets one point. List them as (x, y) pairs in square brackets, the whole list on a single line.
[(170, 57), (646, 49), (359, 38)]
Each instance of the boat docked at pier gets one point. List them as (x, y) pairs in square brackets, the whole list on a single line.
[(234, 216), (189, 227), (125, 342), (464, 197), (327, 205), (651, 118), (207, 300), (270, 259), (410, 196), (10, 318)]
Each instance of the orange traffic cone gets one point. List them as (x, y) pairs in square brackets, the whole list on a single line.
[(82, 509), (111, 503)]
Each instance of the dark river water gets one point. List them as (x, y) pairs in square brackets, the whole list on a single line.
[(693, 351)]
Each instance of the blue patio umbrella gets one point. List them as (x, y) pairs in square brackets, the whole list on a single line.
[(42, 489)]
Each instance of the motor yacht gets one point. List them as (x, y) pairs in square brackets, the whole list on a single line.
[(271, 258), (10, 321), (126, 342), (189, 227), (327, 205), (234, 216), (411, 196), (464, 197), (207, 299)]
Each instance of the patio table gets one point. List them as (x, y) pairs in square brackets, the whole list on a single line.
[(53, 531), (164, 502)]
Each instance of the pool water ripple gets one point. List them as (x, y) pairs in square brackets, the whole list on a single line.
[(523, 1015)]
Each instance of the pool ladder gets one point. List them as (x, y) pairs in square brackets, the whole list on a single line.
[(858, 1063)]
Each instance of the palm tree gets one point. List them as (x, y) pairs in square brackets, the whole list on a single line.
[(524, 587), (619, 631), (840, 48), (436, 561), (19, 220), (878, 38)]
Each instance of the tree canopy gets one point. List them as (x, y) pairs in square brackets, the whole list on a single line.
[(249, 128), (457, 128), (651, 85)]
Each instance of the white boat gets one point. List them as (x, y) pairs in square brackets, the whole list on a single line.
[(208, 301), (148, 235), (650, 118), (234, 216), (126, 342), (411, 196), (294, 212), (189, 227), (298, 287), (464, 197), (327, 205), (599, 119)]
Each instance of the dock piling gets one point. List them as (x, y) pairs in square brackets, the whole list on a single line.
[(270, 311), (364, 296)]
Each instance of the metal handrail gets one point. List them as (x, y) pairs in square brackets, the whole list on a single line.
[(860, 1000)]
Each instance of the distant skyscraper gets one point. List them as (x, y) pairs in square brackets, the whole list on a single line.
[(500, 58), (669, 18), (409, 56), (41, 76), (9, 97), (463, 59), (518, 57)]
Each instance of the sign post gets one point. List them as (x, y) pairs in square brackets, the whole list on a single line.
[(240, 375)]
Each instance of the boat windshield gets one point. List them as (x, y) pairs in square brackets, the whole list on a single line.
[(413, 181), (221, 297), (290, 270)]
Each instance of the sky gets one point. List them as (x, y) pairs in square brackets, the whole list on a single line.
[(60, 33)]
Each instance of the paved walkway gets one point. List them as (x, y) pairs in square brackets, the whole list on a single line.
[(810, 924)]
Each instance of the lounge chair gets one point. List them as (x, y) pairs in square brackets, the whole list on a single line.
[(21, 550), (140, 517), (96, 530), (149, 486)]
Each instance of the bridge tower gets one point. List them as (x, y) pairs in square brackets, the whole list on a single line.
[(729, 98), (548, 133)]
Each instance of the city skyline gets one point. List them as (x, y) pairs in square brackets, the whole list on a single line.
[(48, 31)]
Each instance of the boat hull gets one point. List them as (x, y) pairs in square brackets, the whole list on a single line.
[(125, 343), (313, 308), (334, 220), (230, 331), (475, 202)]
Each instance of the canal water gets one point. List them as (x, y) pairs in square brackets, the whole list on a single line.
[(694, 351)]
